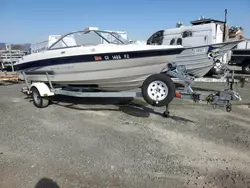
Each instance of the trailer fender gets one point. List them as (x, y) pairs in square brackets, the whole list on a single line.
[(43, 89)]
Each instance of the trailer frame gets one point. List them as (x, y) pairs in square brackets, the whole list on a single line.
[(41, 91)]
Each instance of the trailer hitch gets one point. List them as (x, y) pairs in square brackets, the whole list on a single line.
[(224, 98), (221, 98)]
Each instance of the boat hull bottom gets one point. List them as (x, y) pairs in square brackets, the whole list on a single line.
[(114, 84), (112, 80), (121, 84)]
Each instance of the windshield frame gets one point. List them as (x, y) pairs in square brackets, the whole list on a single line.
[(97, 32)]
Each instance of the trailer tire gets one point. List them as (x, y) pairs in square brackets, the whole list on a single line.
[(158, 85), (246, 67), (38, 100)]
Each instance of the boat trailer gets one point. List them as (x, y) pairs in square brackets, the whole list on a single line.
[(157, 90)]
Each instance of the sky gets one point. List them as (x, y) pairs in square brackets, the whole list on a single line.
[(24, 21)]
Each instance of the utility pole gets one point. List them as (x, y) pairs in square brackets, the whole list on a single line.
[(225, 22), (225, 15)]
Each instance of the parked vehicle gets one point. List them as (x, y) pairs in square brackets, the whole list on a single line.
[(241, 56)]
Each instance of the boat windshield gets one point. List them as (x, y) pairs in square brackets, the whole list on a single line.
[(86, 38)]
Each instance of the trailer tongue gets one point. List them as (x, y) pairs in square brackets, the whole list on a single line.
[(220, 98)]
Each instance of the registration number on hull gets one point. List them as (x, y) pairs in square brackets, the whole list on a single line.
[(112, 57), (200, 50)]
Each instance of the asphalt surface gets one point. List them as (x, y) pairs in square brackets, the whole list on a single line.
[(98, 143)]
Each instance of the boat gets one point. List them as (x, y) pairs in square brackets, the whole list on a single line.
[(200, 60), (105, 61), (100, 60)]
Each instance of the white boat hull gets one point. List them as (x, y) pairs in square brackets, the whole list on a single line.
[(121, 72), (115, 75)]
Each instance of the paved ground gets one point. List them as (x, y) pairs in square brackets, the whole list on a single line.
[(101, 144)]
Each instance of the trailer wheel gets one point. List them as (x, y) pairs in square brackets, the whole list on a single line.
[(158, 90), (246, 68), (38, 100)]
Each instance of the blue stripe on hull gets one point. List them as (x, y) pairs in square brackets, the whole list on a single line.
[(97, 57)]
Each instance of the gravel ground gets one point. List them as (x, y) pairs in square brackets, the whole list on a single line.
[(97, 143)]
